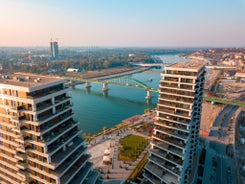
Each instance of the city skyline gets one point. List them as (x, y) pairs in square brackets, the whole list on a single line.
[(142, 23)]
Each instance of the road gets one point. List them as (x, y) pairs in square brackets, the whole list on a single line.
[(219, 167), (221, 123)]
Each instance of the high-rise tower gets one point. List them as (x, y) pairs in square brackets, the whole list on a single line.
[(54, 49), (40, 143), (173, 154)]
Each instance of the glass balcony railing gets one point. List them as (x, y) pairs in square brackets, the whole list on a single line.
[(172, 168), (177, 133), (172, 125), (57, 131)]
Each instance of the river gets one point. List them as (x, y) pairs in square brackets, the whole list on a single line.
[(94, 111)]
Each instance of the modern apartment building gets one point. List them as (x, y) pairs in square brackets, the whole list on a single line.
[(174, 147), (40, 142), (54, 49)]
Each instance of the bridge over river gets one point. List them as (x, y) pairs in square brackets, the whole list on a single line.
[(133, 83)]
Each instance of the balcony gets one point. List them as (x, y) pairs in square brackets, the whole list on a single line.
[(177, 105), (53, 123), (21, 148), (79, 171), (66, 106), (155, 170), (60, 99), (167, 156), (167, 147), (172, 125), (23, 174), (56, 132), (171, 140), (45, 92), (20, 156), (177, 99), (91, 178), (62, 154), (173, 79), (43, 105), (17, 108), (79, 154), (175, 133), (61, 141), (170, 85), (174, 119), (151, 178), (21, 165), (18, 118), (51, 117), (178, 93), (172, 168)]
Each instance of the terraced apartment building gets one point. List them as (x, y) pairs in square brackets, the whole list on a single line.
[(40, 142), (174, 147)]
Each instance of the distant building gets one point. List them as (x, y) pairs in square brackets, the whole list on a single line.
[(174, 147), (75, 70), (54, 49)]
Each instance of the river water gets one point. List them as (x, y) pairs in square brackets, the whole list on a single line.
[(94, 111)]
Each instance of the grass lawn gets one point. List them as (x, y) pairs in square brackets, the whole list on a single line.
[(132, 147)]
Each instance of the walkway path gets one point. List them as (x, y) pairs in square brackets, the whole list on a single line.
[(119, 170)]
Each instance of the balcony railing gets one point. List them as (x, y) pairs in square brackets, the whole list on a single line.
[(175, 119), (176, 98), (82, 162), (172, 125), (78, 156), (151, 178), (155, 169), (45, 93), (20, 156), (66, 151), (58, 131), (171, 140), (23, 174), (60, 99), (51, 116), (172, 168), (80, 175), (166, 155), (168, 147), (92, 177), (177, 92), (21, 165), (54, 122), (43, 106), (61, 142), (176, 133)]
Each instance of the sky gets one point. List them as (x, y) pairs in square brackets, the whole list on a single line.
[(133, 23)]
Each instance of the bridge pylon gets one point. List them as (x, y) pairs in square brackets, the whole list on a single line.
[(87, 86), (148, 96), (105, 89)]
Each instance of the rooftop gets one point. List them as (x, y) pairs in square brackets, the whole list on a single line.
[(192, 65), (28, 80)]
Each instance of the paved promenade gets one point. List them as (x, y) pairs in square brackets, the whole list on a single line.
[(118, 170)]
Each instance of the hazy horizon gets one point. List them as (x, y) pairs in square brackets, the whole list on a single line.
[(137, 23)]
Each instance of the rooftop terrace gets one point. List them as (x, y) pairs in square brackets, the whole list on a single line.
[(193, 65), (27, 79)]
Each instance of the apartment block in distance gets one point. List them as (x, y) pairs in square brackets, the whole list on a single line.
[(54, 49), (174, 147), (40, 142)]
